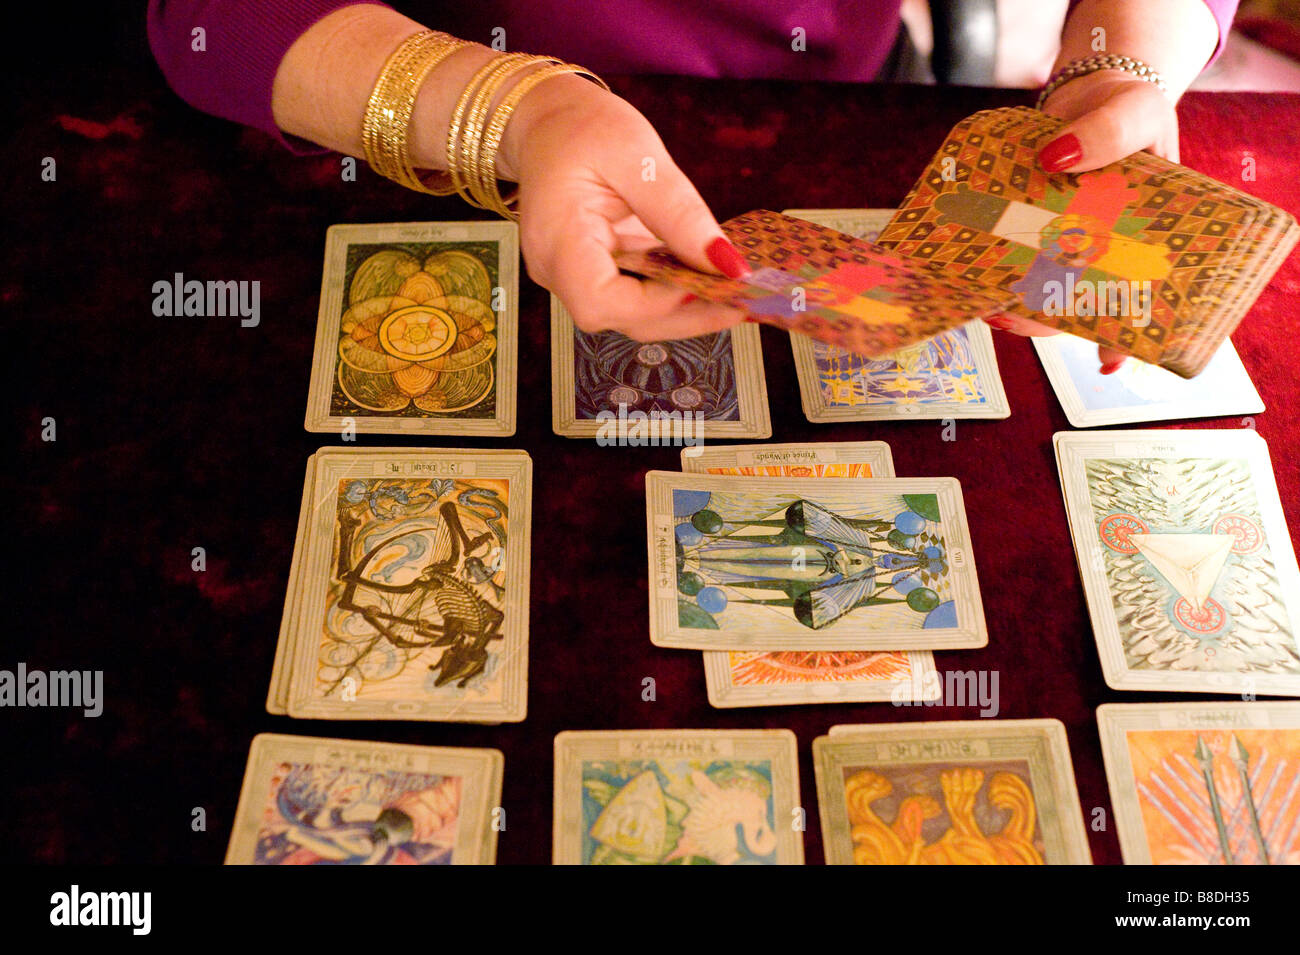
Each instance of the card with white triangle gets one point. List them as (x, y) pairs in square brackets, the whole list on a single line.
[(1186, 560)]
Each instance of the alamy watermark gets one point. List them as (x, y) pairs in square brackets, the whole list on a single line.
[(639, 429), (82, 689), (951, 688), (179, 298), (1086, 298)]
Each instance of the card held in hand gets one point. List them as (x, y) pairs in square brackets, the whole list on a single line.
[(1144, 256), (811, 279)]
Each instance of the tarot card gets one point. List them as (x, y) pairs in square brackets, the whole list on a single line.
[(717, 380), (971, 792), (414, 603), (820, 282), (787, 677), (677, 797), (1142, 392), (774, 677), (953, 375), (831, 459), (810, 564), (1186, 560), (309, 801), (1204, 783), (277, 698), (418, 330), (1144, 256)]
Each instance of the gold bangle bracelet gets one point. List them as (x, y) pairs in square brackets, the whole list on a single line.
[(387, 120), (466, 127), (485, 184)]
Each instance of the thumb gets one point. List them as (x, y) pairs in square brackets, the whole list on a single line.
[(1130, 120), (670, 207)]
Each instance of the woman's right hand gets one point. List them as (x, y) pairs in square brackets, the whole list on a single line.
[(595, 179)]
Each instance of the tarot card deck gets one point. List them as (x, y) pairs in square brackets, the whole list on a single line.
[(1144, 256), (953, 375)]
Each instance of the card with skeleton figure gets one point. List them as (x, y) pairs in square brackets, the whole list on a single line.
[(418, 330), (775, 563), (953, 375), (677, 797), (1204, 783), (309, 801), (715, 382), (972, 792), (413, 601), (1186, 560)]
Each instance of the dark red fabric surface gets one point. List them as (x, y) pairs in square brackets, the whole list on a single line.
[(177, 433)]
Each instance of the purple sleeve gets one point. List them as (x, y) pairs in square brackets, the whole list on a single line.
[(244, 42), (1222, 10)]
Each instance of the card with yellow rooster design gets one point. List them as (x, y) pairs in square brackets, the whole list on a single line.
[(975, 792)]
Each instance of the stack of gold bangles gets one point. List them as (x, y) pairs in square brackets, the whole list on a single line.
[(474, 136)]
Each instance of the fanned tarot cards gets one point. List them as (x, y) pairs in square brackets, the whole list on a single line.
[(1144, 256), (973, 792), (1186, 560), (408, 597), (677, 797), (811, 279), (716, 379), (418, 330), (309, 801), (953, 375)]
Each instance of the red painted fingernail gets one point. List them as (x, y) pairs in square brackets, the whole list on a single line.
[(1112, 366), (1000, 323), (726, 258), (690, 297), (1060, 153), (752, 319)]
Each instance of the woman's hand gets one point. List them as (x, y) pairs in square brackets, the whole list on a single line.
[(1109, 115), (595, 179)]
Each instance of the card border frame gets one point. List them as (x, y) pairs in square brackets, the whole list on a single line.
[(482, 774), (325, 350)]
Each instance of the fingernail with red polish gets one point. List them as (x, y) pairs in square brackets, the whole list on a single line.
[(726, 258), (1061, 153), (690, 297), (1112, 366), (1000, 323), (751, 319)]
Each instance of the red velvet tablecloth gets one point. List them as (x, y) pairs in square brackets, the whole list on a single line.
[(174, 434)]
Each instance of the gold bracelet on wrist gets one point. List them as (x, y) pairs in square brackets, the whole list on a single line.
[(492, 136), (1101, 61), (476, 129)]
